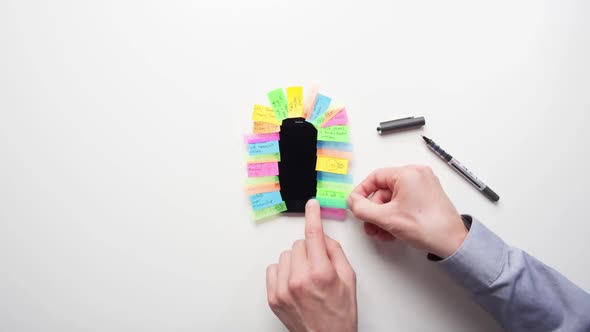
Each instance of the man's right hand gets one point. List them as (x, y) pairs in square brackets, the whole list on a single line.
[(408, 203)]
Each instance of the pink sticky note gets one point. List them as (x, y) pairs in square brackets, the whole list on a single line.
[(263, 169), (338, 120), (333, 213), (260, 138)]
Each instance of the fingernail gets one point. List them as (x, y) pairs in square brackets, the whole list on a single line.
[(350, 198), (311, 203)]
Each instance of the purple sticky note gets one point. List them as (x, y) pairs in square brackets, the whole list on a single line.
[(333, 213), (338, 120), (260, 138), (263, 169)]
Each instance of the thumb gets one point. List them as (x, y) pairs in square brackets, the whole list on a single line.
[(366, 210)]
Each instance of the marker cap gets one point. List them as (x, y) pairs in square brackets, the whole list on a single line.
[(400, 124)]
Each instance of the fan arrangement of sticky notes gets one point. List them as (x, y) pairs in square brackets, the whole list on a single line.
[(299, 149)]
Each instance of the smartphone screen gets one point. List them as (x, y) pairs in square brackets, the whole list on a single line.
[(297, 174)]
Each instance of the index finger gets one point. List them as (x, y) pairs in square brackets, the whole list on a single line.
[(378, 179), (314, 234)]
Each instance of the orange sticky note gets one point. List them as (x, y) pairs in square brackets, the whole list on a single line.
[(335, 153), (332, 165), (310, 101), (263, 188), (265, 128), (332, 111)]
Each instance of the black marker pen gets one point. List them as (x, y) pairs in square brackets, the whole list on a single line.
[(456, 165)]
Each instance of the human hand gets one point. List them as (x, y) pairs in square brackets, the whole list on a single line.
[(408, 203), (313, 287)]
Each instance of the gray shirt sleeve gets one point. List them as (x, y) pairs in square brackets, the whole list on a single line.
[(519, 291)]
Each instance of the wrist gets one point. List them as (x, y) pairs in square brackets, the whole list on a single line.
[(454, 238)]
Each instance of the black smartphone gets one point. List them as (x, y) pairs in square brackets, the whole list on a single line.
[(297, 174)]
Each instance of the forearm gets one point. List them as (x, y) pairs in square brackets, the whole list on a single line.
[(519, 291)]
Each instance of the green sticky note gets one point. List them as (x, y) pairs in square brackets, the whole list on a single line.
[(270, 211), (331, 194), (261, 180), (334, 134), (279, 103), (335, 186), (332, 202), (271, 156)]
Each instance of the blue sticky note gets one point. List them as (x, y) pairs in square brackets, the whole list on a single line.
[(264, 200), (325, 176), (321, 105), (334, 145), (255, 149)]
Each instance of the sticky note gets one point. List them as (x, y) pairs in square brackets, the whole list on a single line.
[(264, 158), (263, 169), (332, 165), (265, 114), (270, 211), (338, 120), (335, 153), (261, 180), (263, 188), (334, 145), (279, 103), (265, 128), (335, 186), (332, 202), (259, 138), (334, 109), (310, 101), (295, 101), (321, 105), (331, 194), (335, 133), (324, 176), (264, 200), (263, 148), (332, 213)]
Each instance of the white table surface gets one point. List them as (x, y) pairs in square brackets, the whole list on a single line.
[(121, 157)]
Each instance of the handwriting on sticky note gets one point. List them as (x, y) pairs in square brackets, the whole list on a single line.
[(264, 158), (279, 103), (332, 165), (264, 114), (334, 133), (263, 169), (333, 213), (335, 186), (270, 211), (264, 200), (263, 188), (338, 120), (295, 101), (263, 148), (260, 138), (321, 105), (265, 128), (334, 109), (331, 194)]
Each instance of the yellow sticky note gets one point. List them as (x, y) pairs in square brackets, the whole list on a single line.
[(331, 165), (295, 100), (263, 113), (265, 128)]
